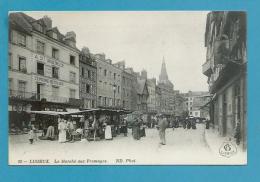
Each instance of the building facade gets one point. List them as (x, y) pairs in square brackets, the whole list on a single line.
[(88, 79), (142, 96), (109, 82), (225, 67), (194, 101), (167, 91), (128, 84), (43, 63)]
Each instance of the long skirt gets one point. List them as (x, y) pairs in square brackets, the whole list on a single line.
[(162, 136), (108, 133), (136, 132), (62, 136)]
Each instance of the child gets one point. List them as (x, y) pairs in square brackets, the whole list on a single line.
[(32, 134)]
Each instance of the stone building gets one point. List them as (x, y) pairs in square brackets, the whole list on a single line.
[(226, 69), (88, 79), (194, 100), (167, 91), (128, 84), (109, 82), (142, 96), (43, 66)]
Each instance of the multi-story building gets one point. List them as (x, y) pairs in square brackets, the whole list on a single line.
[(158, 99), (142, 96), (88, 79), (43, 65), (225, 67), (167, 91), (194, 100), (108, 82), (129, 81), (179, 104)]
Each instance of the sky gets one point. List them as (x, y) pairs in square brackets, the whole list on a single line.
[(142, 39)]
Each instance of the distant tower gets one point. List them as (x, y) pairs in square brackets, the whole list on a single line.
[(163, 78)]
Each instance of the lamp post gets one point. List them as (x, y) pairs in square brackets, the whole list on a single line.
[(114, 89)]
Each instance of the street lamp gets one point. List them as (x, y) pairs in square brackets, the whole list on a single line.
[(114, 89)]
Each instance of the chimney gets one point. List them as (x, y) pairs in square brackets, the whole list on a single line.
[(85, 50), (70, 38), (48, 22), (144, 74)]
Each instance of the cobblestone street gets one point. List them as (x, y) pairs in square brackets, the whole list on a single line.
[(182, 147)]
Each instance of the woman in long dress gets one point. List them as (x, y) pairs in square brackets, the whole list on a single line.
[(62, 131), (136, 129), (108, 132)]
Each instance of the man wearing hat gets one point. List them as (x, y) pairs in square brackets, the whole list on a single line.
[(162, 125)]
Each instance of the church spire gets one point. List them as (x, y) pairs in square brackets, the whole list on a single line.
[(163, 75)]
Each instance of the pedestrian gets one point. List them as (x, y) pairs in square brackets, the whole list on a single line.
[(142, 127), (32, 134), (62, 130), (162, 125), (136, 129), (124, 127)]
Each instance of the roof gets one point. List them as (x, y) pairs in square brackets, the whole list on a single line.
[(26, 24)]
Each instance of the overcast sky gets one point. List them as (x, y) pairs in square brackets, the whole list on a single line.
[(142, 39)]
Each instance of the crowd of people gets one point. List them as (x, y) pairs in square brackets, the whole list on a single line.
[(96, 127), (90, 127)]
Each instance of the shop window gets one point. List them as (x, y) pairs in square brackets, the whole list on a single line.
[(40, 68)]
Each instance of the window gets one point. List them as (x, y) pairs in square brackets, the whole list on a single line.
[(72, 77), (190, 108), (118, 89), (72, 93), (55, 72), (54, 35), (105, 72), (99, 100), (87, 88), (114, 76), (55, 53), (10, 84), (10, 61), (40, 68), (21, 88), (40, 47), (21, 39), (72, 60), (82, 72), (22, 64), (55, 91), (89, 74)]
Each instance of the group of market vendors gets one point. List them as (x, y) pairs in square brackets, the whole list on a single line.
[(88, 126)]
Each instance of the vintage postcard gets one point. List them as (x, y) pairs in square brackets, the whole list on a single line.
[(127, 88)]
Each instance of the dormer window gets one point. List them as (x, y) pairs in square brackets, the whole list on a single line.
[(54, 35)]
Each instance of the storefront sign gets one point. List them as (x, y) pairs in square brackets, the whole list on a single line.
[(52, 62), (48, 81)]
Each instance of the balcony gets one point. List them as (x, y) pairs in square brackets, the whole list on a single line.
[(206, 68), (31, 96)]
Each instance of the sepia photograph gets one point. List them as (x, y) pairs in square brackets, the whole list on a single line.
[(127, 88)]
